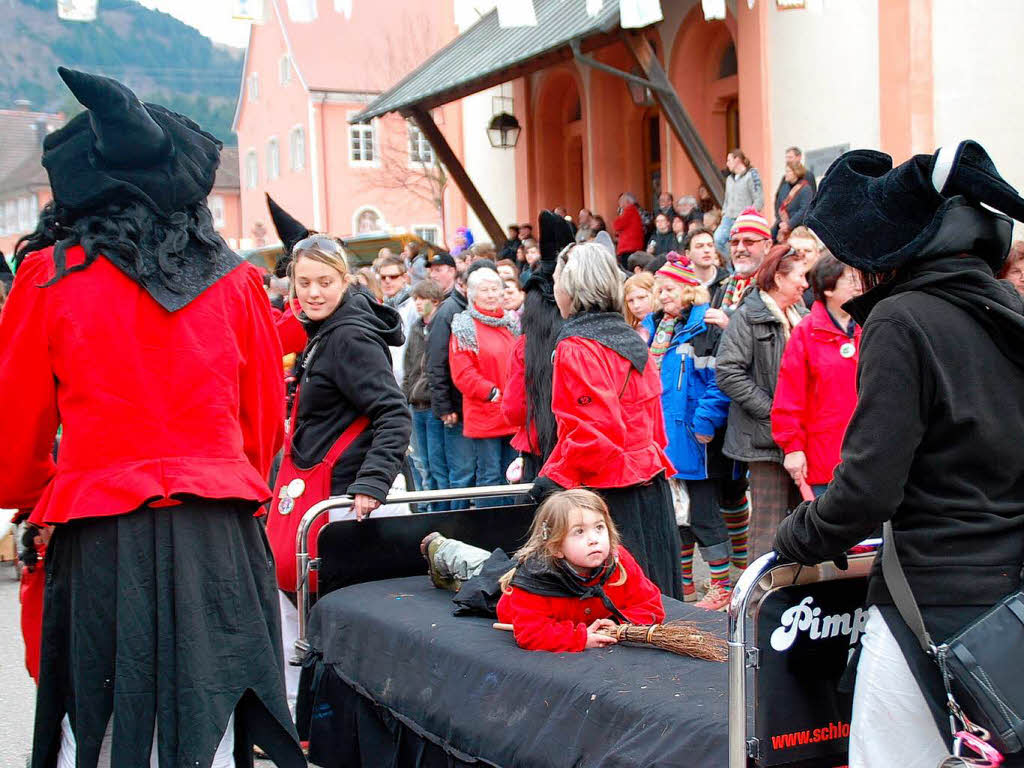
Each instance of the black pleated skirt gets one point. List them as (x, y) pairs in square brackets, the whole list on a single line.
[(165, 617), (646, 519)]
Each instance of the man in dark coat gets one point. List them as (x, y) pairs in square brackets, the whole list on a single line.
[(133, 326), (934, 443)]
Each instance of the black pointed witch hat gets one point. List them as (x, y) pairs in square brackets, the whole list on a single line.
[(555, 234), (876, 218), (289, 229), (120, 149)]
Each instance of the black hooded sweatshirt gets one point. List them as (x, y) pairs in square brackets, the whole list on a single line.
[(935, 443), (350, 376)]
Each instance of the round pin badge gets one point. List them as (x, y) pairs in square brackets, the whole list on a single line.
[(296, 487), (848, 350), (286, 506)]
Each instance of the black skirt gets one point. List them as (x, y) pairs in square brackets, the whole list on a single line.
[(165, 617), (646, 519)]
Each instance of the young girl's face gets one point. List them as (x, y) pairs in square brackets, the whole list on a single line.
[(586, 544), (639, 302)]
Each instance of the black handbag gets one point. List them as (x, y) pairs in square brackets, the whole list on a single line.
[(980, 665)]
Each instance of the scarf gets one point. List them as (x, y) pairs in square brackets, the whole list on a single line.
[(735, 289), (399, 298), (611, 330), (787, 319), (464, 329), (559, 579), (784, 205), (662, 338)]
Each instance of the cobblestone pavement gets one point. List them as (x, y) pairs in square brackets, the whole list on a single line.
[(17, 691)]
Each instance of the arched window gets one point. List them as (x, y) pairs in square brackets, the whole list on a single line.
[(368, 219), (297, 148), (273, 159), (727, 65), (252, 169), (284, 70)]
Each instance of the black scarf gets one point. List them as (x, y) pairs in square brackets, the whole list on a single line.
[(611, 330), (558, 579)]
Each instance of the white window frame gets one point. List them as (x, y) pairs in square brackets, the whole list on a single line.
[(297, 160), (284, 70), (10, 217), (362, 130), (273, 158), (418, 144), (360, 209), (254, 87), (252, 169), (216, 204), (417, 229)]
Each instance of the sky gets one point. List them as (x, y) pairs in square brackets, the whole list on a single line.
[(211, 17)]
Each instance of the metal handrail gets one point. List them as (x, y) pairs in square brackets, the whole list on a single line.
[(739, 605), (344, 502)]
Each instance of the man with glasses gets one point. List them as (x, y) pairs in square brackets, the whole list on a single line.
[(394, 284), (749, 241)]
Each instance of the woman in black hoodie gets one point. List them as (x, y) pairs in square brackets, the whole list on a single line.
[(934, 445)]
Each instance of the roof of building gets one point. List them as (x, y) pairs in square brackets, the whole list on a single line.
[(487, 54), (27, 175), (228, 173), (21, 136)]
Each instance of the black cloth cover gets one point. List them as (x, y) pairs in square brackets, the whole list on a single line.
[(466, 688), (163, 615)]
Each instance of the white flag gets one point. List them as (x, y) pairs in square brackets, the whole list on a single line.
[(594, 7), (247, 10), (301, 11), (77, 10), (714, 10), (516, 13), (345, 7), (634, 14)]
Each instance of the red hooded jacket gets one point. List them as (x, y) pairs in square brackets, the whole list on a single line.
[(611, 432), (560, 623), (629, 226), (153, 403), (476, 374), (816, 393)]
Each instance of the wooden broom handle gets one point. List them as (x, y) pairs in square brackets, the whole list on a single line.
[(505, 627)]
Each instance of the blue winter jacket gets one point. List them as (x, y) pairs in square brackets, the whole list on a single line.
[(691, 401)]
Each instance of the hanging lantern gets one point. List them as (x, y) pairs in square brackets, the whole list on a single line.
[(503, 131)]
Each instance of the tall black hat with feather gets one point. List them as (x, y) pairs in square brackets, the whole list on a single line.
[(541, 323)]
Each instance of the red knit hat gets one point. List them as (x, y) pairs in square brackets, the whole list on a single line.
[(751, 222), (678, 268)]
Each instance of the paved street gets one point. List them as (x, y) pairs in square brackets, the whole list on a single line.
[(17, 692)]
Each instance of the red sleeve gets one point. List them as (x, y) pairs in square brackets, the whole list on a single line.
[(588, 412), (536, 622), (641, 599), (261, 408), (28, 389), (789, 408), (466, 374), (621, 221), (289, 329), (513, 396)]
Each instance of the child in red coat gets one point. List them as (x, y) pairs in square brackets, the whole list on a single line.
[(572, 578)]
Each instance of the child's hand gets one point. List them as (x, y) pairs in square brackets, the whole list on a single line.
[(596, 638)]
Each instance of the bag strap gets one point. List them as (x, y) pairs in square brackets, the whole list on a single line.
[(899, 589)]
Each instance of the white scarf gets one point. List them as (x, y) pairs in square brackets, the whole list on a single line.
[(787, 319)]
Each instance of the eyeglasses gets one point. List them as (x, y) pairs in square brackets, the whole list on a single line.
[(747, 241), (396, 276)]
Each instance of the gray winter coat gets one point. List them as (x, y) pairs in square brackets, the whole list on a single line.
[(748, 363), (743, 191)]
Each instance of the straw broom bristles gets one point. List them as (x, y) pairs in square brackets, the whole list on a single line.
[(680, 637)]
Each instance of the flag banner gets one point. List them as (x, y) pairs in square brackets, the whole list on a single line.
[(77, 10), (634, 14), (516, 13)]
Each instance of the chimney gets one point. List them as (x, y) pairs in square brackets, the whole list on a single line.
[(41, 130), (22, 105)]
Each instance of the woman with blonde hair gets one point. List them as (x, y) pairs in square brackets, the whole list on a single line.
[(640, 301), (350, 423), (683, 348)]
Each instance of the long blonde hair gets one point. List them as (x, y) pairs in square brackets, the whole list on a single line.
[(551, 525), (322, 248)]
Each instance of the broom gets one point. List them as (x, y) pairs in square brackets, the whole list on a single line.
[(683, 638)]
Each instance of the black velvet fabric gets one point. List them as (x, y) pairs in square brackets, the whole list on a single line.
[(394, 662)]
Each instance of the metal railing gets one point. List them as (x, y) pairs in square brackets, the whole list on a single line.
[(763, 576), (305, 565)]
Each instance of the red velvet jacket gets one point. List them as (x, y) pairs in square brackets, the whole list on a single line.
[(560, 623), (629, 226), (476, 374), (153, 403), (611, 433), (289, 329), (513, 400), (816, 393)]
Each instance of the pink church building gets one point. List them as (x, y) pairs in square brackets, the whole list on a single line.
[(302, 81)]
